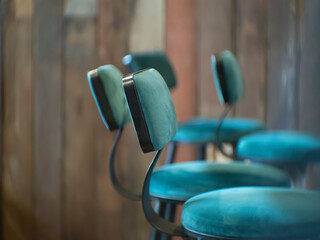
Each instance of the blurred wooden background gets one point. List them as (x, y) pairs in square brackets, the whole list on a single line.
[(55, 148)]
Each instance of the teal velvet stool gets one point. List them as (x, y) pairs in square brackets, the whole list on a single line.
[(253, 213), (106, 87), (202, 131), (288, 150), (153, 115)]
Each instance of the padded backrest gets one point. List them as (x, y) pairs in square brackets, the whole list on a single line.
[(151, 59), (151, 108), (106, 86), (227, 76)]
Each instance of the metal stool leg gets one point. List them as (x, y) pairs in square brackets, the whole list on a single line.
[(172, 147), (297, 174), (202, 152), (170, 214), (160, 208), (234, 151)]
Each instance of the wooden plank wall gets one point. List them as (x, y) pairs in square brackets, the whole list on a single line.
[(17, 155), (55, 147), (309, 111), (55, 152), (239, 26), (213, 36), (251, 51), (181, 49), (1, 120), (283, 64), (47, 114)]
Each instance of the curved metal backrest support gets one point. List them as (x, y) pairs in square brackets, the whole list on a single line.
[(217, 142), (114, 180), (153, 218)]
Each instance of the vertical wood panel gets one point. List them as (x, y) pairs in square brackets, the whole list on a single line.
[(80, 165), (48, 135), (147, 25), (283, 65), (181, 49), (1, 117), (112, 45), (251, 51), (80, 8), (23, 9), (180, 46), (17, 126), (214, 34), (309, 111)]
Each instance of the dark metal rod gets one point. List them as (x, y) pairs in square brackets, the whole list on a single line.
[(114, 180), (153, 218), (217, 142), (172, 147)]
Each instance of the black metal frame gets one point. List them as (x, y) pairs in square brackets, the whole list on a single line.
[(102, 100), (137, 113), (217, 143), (153, 218), (114, 180)]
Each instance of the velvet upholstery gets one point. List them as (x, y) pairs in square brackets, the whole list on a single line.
[(232, 77), (255, 212), (280, 146), (157, 107), (151, 59), (202, 130), (111, 79), (180, 181)]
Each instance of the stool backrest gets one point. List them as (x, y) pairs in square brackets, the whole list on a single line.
[(151, 108), (151, 59), (227, 76), (106, 86)]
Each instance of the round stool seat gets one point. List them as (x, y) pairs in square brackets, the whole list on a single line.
[(202, 130), (280, 147), (180, 181), (254, 213)]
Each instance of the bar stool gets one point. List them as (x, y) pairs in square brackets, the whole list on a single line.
[(106, 87), (288, 150), (200, 131), (153, 115), (253, 213)]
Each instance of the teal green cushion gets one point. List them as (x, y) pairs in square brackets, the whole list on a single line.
[(157, 107), (111, 79), (180, 181), (151, 59), (280, 146), (202, 130), (232, 77), (255, 212)]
